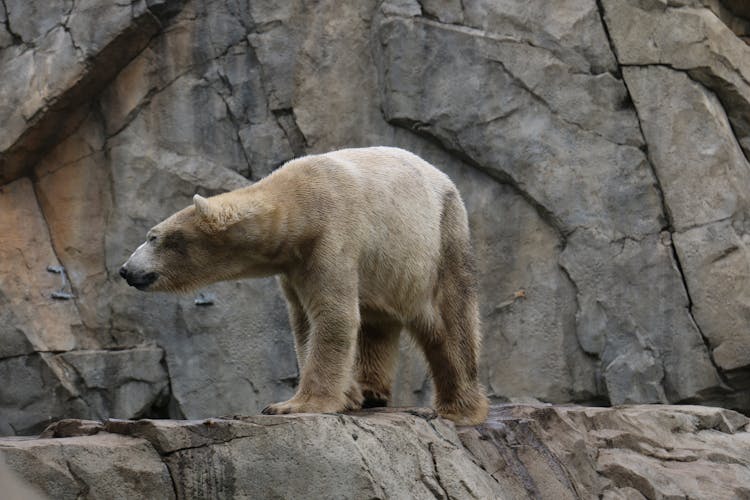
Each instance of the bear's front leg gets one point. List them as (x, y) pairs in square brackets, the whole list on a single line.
[(326, 384)]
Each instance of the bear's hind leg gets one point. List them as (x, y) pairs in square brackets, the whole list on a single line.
[(451, 346), (377, 352), (453, 363)]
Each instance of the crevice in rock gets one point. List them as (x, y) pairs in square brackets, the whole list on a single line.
[(601, 396), (431, 450), (366, 464), (600, 9), (143, 430), (287, 121), (17, 40), (157, 89), (171, 477), (555, 49), (439, 434), (145, 101), (74, 298), (668, 223), (235, 123), (32, 353), (203, 445), (543, 102), (726, 106), (79, 50), (695, 75), (54, 122), (517, 81), (84, 487), (706, 341)]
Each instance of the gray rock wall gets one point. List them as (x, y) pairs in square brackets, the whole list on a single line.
[(601, 149)]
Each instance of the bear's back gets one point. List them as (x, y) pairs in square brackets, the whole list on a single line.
[(384, 206), (377, 190)]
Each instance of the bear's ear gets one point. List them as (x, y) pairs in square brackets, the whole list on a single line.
[(210, 218), (202, 208)]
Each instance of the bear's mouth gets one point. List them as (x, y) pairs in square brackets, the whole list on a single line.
[(142, 282)]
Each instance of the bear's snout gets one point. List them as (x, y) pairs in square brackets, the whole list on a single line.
[(139, 280)]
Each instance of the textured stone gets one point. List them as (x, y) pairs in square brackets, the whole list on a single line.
[(50, 69), (605, 245), (378, 455), (571, 30), (689, 37), (522, 451), (35, 393), (107, 466), (520, 135), (627, 452), (25, 282), (123, 383), (705, 179), (69, 190), (564, 165), (41, 388), (6, 37), (642, 332)]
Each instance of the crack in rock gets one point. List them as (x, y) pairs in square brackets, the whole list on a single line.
[(666, 212)]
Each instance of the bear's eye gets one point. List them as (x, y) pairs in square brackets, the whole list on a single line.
[(176, 241), (151, 238)]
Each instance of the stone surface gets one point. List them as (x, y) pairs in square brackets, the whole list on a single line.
[(58, 63), (705, 179), (27, 285), (107, 466), (596, 150), (549, 146), (126, 383), (523, 451), (626, 452), (688, 36), (14, 488)]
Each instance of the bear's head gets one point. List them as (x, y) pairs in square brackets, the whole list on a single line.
[(209, 241)]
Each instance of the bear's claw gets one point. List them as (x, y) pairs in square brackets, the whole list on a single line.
[(304, 406), (270, 410)]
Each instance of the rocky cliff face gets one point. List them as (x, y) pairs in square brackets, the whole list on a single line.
[(534, 452), (601, 149)]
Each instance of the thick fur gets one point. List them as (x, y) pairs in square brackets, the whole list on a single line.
[(366, 242)]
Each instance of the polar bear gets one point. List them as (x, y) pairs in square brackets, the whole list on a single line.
[(365, 243)]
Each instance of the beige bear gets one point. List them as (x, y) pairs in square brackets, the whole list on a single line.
[(366, 242)]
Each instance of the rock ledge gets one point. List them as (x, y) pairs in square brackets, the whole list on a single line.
[(523, 451)]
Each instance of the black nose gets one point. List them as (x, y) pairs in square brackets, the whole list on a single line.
[(139, 280)]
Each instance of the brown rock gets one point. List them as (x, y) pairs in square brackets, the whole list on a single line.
[(25, 254)]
